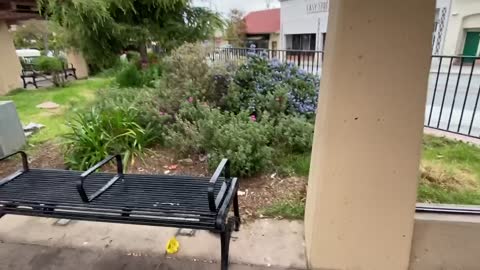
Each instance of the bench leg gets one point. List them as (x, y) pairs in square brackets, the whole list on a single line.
[(225, 237), (236, 211)]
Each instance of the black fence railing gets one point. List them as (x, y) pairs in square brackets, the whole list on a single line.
[(453, 90), (310, 61), (453, 95)]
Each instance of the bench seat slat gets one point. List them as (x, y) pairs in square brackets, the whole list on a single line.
[(162, 200)]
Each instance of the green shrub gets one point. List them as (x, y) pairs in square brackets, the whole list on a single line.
[(146, 100), (48, 64), (130, 76), (263, 85), (186, 75), (294, 134), (201, 129), (102, 132), (53, 66)]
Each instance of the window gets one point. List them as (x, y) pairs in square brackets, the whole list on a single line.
[(304, 42)]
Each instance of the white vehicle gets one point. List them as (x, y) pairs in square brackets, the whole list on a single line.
[(28, 55)]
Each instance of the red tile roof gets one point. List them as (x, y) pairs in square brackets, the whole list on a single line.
[(263, 21)]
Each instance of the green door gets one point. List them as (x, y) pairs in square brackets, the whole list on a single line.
[(471, 45)]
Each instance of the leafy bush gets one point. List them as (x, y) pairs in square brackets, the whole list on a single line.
[(201, 129), (129, 76), (146, 100), (187, 68), (101, 132), (53, 66), (48, 64), (294, 134), (263, 85)]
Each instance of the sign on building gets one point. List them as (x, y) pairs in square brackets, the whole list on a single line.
[(316, 6)]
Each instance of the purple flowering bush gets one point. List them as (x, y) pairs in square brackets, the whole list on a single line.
[(270, 85)]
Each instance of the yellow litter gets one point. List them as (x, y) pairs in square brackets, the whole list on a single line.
[(172, 246)]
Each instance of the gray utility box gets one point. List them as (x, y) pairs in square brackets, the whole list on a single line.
[(12, 137)]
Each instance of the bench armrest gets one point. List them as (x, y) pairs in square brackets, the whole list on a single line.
[(83, 177), (18, 173), (24, 159), (213, 202)]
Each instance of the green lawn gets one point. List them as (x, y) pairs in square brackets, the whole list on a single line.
[(449, 173), (76, 95)]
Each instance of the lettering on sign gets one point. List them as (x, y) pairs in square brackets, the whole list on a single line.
[(317, 7)]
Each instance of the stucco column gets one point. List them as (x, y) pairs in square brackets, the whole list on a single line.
[(76, 59), (10, 67), (363, 180)]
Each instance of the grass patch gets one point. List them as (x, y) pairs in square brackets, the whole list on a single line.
[(290, 209), (293, 164), (450, 172), (70, 98)]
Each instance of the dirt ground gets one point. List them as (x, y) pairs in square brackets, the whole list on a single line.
[(256, 193)]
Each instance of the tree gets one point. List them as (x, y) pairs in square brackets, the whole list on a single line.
[(34, 34), (101, 29), (236, 30)]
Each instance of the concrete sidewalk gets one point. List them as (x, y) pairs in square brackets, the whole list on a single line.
[(34, 257), (263, 243)]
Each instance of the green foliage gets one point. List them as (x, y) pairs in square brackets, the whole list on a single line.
[(129, 76), (279, 88), (53, 66), (187, 71), (98, 133), (235, 32), (48, 64), (437, 194), (289, 164), (101, 29), (294, 134), (292, 209), (145, 100), (36, 34), (201, 129)]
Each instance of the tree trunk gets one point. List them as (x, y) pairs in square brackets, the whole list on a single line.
[(143, 55)]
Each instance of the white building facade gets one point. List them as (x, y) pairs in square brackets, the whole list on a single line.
[(463, 30), (303, 24)]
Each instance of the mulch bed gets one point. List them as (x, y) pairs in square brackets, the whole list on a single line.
[(256, 193)]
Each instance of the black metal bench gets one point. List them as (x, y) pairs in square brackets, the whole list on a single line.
[(31, 76), (156, 200), (69, 71)]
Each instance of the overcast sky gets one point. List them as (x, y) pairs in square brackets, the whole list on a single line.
[(224, 6)]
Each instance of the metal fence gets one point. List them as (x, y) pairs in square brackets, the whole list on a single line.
[(310, 61), (453, 90), (453, 95)]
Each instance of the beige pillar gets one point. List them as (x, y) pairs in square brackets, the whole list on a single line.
[(78, 61), (363, 179), (10, 67)]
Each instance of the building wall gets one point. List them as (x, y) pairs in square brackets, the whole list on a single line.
[(445, 242), (311, 17), (274, 37), (78, 62), (442, 17), (10, 69), (303, 17), (465, 15)]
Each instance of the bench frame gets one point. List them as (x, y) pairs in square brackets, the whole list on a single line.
[(31, 73), (220, 204)]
